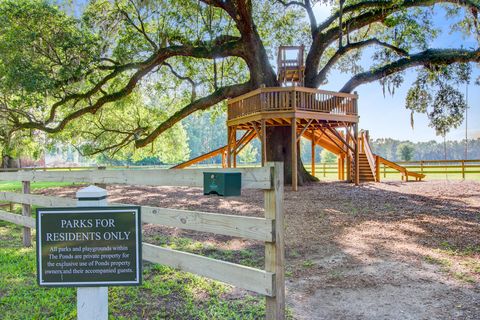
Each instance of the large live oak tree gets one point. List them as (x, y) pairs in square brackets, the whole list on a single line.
[(159, 61)]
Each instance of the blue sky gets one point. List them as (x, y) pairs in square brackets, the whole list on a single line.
[(387, 117)]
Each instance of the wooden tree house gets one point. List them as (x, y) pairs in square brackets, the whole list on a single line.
[(328, 119)]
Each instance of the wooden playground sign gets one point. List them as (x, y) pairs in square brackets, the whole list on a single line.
[(89, 246)]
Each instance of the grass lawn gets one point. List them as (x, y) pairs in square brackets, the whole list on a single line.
[(17, 185), (165, 294)]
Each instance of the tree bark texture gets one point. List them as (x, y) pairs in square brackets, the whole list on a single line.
[(9, 162), (279, 148)]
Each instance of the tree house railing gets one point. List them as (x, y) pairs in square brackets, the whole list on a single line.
[(292, 99), (365, 147)]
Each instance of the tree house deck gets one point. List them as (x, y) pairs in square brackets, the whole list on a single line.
[(293, 102)]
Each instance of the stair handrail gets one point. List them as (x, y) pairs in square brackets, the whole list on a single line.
[(368, 152)]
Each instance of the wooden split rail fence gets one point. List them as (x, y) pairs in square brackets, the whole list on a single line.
[(449, 167), (455, 168), (269, 229)]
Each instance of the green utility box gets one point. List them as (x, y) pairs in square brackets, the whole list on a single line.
[(222, 183)]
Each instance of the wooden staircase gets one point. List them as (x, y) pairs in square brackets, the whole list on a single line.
[(366, 174), (370, 163)]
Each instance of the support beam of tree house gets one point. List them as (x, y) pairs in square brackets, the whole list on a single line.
[(294, 155), (229, 147), (357, 156), (339, 136), (263, 139), (330, 138), (349, 160), (313, 151), (299, 136), (234, 139)]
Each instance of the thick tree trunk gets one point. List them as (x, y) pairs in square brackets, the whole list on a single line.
[(9, 162), (279, 148)]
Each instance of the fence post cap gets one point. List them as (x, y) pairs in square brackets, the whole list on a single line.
[(91, 192)]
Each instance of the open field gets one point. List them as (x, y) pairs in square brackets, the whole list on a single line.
[(380, 251)]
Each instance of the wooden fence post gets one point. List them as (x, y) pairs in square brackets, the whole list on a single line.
[(357, 155), (27, 212), (275, 251), (463, 169), (294, 154), (324, 170), (313, 152)]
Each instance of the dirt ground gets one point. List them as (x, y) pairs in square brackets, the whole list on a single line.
[(388, 250)]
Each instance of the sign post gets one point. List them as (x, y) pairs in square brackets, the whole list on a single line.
[(92, 302), (91, 246)]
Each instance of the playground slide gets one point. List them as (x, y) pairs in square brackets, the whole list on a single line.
[(242, 142), (405, 173), (205, 156), (332, 143)]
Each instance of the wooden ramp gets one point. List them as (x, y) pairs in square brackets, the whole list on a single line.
[(240, 144), (406, 175), (201, 158)]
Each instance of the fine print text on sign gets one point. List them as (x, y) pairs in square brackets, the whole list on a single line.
[(89, 246)]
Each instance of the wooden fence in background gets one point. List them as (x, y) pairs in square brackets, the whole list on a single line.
[(269, 281), (463, 167), (323, 169), (460, 168)]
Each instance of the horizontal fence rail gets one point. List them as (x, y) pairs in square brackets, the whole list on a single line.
[(252, 279), (24, 221), (236, 226), (458, 167), (322, 168), (252, 178), (270, 229)]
